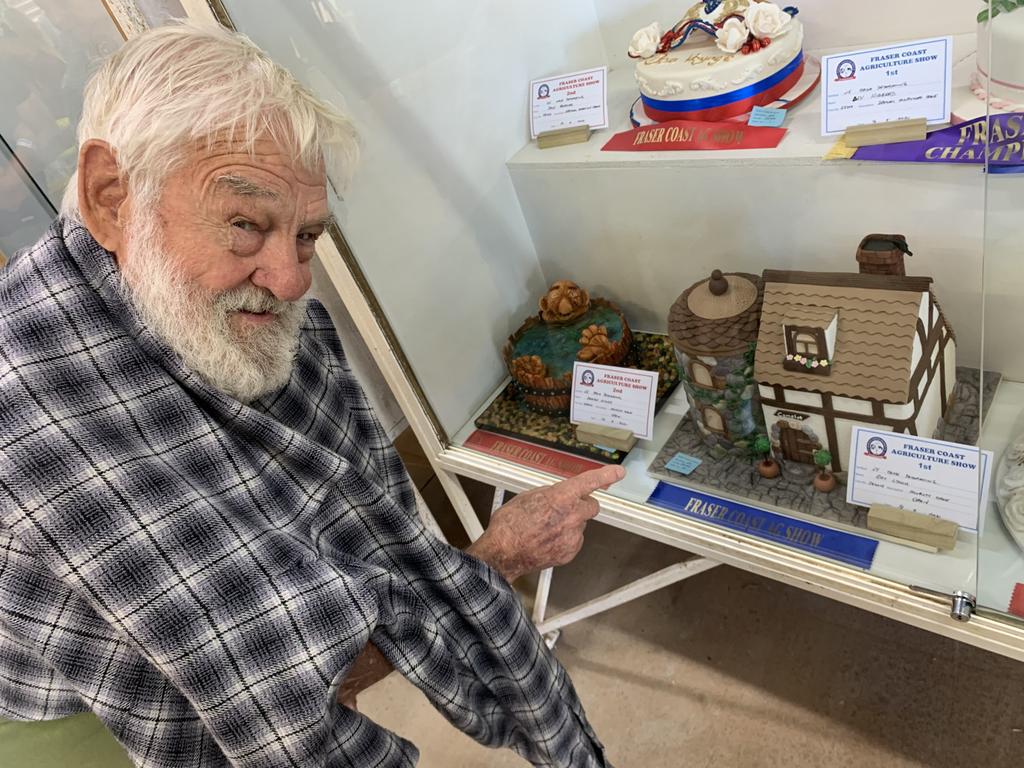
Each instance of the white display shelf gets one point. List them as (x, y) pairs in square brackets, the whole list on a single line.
[(943, 571), (803, 144)]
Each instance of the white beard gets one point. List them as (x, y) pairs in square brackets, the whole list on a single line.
[(243, 364)]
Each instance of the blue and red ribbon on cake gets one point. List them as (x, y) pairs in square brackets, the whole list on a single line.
[(726, 105)]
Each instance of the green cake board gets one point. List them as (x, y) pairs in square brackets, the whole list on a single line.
[(509, 415)]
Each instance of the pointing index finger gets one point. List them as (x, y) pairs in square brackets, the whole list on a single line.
[(586, 483)]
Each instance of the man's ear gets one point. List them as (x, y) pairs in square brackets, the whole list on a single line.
[(101, 194)]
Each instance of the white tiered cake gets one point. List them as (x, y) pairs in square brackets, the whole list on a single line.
[(1000, 61), (721, 60)]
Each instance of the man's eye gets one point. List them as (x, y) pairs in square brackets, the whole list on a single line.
[(244, 225), (309, 237)]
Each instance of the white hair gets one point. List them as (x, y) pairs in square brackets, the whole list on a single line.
[(173, 87)]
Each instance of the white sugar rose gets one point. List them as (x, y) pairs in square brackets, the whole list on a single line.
[(731, 37), (645, 42), (765, 19)]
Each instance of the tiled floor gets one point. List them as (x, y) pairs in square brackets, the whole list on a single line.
[(728, 669)]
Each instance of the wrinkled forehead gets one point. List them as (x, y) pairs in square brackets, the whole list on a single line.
[(265, 155), (264, 174)]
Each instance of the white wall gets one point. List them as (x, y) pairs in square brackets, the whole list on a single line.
[(439, 93), (827, 23)]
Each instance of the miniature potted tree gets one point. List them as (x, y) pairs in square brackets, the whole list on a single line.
[(767, 466), (824, 481)]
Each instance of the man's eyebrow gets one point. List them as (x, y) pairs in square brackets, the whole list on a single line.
[(240, 185), (323, 221)]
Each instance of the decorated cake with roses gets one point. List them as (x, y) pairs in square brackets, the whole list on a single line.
[(721, 60)]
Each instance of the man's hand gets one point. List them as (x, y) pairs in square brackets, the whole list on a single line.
[(542, 528)]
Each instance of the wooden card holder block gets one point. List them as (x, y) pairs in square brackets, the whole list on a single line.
[(575, 134), (914, 129), (914, 526), (609, 437)]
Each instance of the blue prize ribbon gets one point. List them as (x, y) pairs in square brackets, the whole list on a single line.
[(710, 102), (848, 548)]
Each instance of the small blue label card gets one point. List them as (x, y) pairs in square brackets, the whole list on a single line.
[(767, 117), (683, 464)]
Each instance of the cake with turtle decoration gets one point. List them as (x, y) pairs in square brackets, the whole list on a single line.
[(570, 326), (721, 60)]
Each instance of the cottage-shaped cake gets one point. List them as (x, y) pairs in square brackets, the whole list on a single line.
[(839, 350)]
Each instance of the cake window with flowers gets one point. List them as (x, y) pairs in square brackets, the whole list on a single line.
[(809, 348)]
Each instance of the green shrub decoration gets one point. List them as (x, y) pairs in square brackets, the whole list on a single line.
[(762, 445), (822, 458)]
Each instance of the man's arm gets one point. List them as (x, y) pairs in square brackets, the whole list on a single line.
[(537, 529)]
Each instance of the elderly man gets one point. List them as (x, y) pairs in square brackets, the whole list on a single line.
[(205, 539)]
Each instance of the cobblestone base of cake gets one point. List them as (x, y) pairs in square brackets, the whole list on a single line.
[(509, 415), (792, 491)]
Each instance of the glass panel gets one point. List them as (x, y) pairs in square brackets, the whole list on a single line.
[(157, 12), (437, 93), (24, 211), (466, 229), (1001, 555), (48, 49)]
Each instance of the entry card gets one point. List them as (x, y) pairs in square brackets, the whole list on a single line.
[(579, 98), (615, 397), (880, 85), (933, 477), (683, 463), (766, 116)]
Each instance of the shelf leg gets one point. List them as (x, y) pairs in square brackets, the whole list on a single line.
[(428, 520), (460, 501), (632, 591), (540, 603)]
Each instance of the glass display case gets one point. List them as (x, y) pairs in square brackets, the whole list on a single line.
[(788, 297), (46, 53)]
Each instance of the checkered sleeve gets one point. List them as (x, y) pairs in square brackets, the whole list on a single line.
[(202, 572)]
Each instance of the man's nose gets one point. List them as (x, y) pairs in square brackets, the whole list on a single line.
[(281, 272)]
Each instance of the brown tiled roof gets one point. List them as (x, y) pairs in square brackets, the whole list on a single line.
[(698, 335), (874, 339)]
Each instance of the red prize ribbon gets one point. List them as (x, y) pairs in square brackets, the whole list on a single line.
[(1017, 601), (693, 134)]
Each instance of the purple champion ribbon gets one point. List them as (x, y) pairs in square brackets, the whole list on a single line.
[(964, 143), (710, 102)]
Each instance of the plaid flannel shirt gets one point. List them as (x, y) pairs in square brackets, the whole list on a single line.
[(201, 573)]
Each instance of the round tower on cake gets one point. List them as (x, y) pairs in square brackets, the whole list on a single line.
[(713, 326)]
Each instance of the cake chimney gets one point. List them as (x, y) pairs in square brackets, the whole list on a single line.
[(882, 255)]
